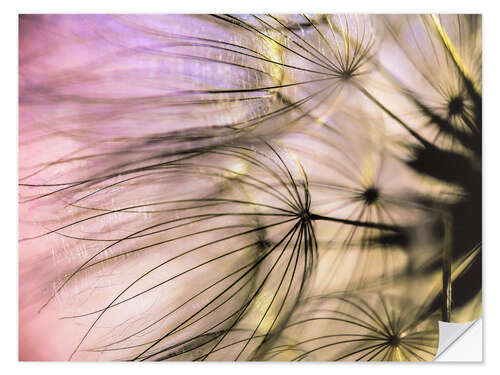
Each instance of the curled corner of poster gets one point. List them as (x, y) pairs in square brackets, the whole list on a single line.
[(460, 342)]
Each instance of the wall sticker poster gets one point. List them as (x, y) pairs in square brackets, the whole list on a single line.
[(269, 187)]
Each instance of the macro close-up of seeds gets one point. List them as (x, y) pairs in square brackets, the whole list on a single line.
[(269, 187)]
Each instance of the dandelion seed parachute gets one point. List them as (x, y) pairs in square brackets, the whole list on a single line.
[(435, 81), (242, 244), (354, 175), (366, 327)]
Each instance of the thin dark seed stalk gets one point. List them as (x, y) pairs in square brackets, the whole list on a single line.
[(446, 271), (412, 132), (366, 224)]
